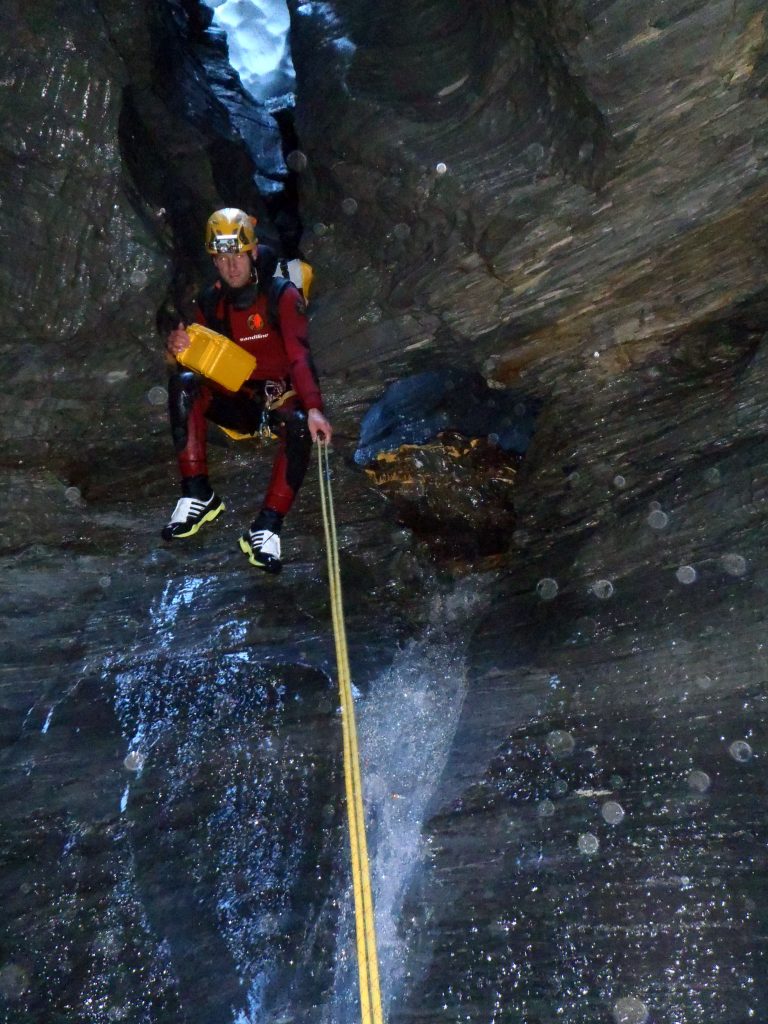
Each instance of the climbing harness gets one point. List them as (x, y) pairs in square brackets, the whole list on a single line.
[(367, 957), (274, 397)]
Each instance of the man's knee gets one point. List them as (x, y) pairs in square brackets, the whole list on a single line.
[(183, 391), (181, 384), (297, 430), (298, 443)]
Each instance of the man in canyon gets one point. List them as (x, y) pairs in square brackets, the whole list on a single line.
[(267, 317)]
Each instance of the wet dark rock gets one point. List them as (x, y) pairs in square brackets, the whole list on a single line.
[(457, 495), (416, 409), (648, 672), (225, 820), (565, 216)]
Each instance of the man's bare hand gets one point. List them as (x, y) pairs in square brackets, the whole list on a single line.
[(319, 427), (178, 340)]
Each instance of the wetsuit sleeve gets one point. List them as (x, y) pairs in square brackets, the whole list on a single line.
[(294, 329)]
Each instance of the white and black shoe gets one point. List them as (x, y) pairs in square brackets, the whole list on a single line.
[(263, 549), (190, 514)]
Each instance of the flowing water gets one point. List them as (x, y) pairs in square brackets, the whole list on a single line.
[(406, 724)]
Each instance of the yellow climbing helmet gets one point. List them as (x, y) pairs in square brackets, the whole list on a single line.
[(230, 231)]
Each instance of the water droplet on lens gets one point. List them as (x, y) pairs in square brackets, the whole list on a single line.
[(703, 682), (157, 395), (654, 506), (441, 168), (619, 481), (616, 781), (296, 160), (134, 762), (546, 808), (547, 589), (587, 626), (72, 494), (630, 1010), (612, 812), (349, 206), (712, 475), (741, 751), (657, 520), (560, 743), (138, 278), (588, 843), (401, 231), (602, 589), (699, 782), (686, 574), (105, 582), (559, 787), (320, 229), (734, 565), (533, 154)]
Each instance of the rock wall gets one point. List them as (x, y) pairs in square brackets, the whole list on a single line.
[(603, 180)]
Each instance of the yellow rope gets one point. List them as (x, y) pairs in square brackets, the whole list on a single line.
[(367, 957)]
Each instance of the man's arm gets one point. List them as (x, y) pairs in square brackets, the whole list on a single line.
[(179, 339), (294, 329)]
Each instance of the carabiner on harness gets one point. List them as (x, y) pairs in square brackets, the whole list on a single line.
[(273, 392)]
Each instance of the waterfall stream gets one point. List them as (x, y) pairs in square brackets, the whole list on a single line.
[(406, 724)]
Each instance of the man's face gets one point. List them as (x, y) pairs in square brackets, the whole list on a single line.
[(234, 268)]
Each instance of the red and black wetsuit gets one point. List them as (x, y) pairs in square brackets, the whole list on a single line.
[(283, 361)]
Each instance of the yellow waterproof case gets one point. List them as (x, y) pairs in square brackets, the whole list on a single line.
[(217, 358)]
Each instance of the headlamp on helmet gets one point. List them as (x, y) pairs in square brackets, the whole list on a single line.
[(230, 231)]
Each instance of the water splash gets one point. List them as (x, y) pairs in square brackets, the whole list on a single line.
[(406, 727)]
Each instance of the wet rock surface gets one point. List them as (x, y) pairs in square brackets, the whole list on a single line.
[(563, 750), (457, 495), (418, 408), (597, 817), (591, 182)]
